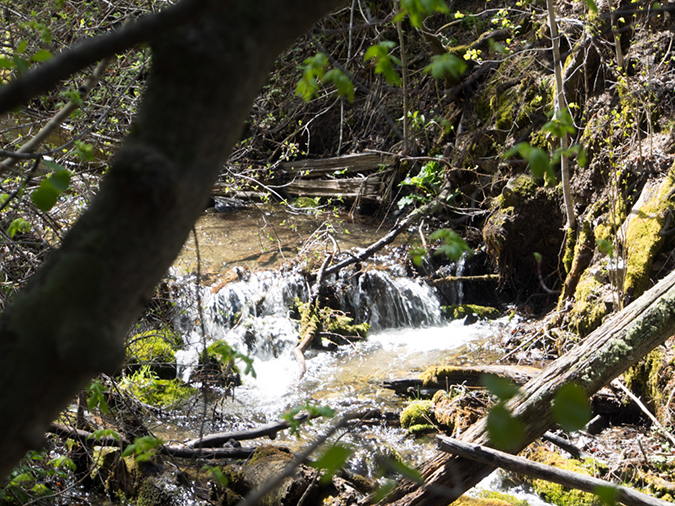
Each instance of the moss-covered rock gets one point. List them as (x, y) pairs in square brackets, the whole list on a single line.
[(589, 307), (418, 413), (459, 311), (156, 349), (643, 234)]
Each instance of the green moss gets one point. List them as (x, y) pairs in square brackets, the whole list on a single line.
[(462, 310), (517, 191), (156, 349), (644, 239), (417, 413), (160, 392), (589, 309), (507, 498), (466, 500), (494, 233), (421, 428), (337, 322), (644, 379), (557, 494)]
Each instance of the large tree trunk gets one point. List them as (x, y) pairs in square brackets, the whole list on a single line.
[(69, 322), (602, 356)]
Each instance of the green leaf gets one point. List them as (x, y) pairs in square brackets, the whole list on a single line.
[(332, 461), (384, 61), (45, 196), (60, 180), (446, 64), (41, 55), (591, 6), (506, 432), (217, 474), (570, 407), (96, 396), (84, 150), (19, 225), (383, 491), (418, 10), (343, 84), (22, 46), (63, 461), (540, 162), (501, 388), (608, 494), (605, 247), (102, 433), (6, 63), (314, 69), (454, 246), (404, 470)]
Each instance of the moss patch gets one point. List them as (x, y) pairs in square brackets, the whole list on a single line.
[(557, 494), (417, 413), (644, 239), (156, 349), (507, 498), (462, 310), (589, 309), (517, 191), (160, 392)]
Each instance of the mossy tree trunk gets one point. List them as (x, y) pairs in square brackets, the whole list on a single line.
[(609, 351), (69, 322)]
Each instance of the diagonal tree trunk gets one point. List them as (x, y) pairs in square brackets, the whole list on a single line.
[(614, 347), (69, 322)]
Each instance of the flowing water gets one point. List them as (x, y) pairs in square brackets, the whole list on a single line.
[(253, 315)]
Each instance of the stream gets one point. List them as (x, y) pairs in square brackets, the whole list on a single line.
[(253, 314)]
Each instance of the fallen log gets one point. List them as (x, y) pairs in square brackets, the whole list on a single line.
[(520, 465), (270, 430), (348, 164), (441, 377), (88, 440), (607, 352)]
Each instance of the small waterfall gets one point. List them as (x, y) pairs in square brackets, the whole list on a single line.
[(387, 302), (461, 264), (253, 315)]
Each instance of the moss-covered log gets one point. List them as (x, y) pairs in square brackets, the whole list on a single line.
[(609, 351)]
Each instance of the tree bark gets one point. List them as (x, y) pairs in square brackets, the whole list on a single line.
[(607, 352), (68, 323)]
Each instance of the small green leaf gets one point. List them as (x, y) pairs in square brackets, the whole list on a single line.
[(102, 433), (63, 461), (608, 494), (384, 61), (343, 84), (446, 64), (404, 470), (18, 225), (22, 46), (540, 163), (45, 196), (217, 474), (383, 491), (41, 55), (570, 407), (605, 247), (501, 388), (332, 461), (84, 150), (506, 432), (6, 63), (591, 6)]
